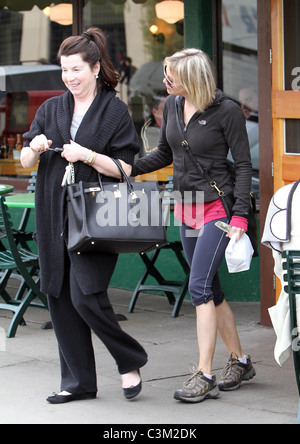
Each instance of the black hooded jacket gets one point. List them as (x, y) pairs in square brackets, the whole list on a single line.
[(107, 129), (210, 135)]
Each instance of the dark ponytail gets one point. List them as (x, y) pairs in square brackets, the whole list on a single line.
[(92, 45)]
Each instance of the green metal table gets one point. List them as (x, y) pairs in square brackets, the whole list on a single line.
[(5, 188), (26, 200)]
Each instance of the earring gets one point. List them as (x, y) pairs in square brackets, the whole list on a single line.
[(97, 77)]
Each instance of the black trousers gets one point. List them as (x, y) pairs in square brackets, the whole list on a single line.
[(74, 315)]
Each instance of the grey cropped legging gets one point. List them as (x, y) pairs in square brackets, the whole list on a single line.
[(204, 253)]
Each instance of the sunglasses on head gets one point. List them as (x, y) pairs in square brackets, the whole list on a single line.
[(171, 84)]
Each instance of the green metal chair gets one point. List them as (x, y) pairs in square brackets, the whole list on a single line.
[(22, 237), (174, 290), (21, 234), (22, 263), (292, 277)]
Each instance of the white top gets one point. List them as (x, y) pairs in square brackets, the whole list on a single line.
[(76, 121)]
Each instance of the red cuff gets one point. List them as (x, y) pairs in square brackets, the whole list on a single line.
[(239, 222)]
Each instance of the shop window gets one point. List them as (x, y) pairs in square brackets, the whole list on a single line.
[(292, 69), (292, 136), (240, 68), (29, 42), (29, 73), (292, 44), (138, 43)]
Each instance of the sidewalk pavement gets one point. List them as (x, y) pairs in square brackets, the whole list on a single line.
[(29, 372)]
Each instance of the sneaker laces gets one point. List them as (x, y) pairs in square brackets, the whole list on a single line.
[(231, 368), (195, 378)]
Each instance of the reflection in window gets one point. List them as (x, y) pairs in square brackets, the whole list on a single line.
[(240, 68), (292, 136), (292, 43), (292, 69), (137, 53), (29, 42)]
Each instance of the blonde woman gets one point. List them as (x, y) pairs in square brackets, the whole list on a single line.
[(212, 123)]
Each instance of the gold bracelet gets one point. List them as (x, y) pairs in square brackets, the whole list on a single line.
[(90, 160)]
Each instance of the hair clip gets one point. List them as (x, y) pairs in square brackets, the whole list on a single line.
[(87, 35)]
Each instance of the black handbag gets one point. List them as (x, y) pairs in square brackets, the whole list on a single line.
[(226, 198), (114, 217)]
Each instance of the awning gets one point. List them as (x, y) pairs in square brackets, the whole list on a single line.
[(27, 5)]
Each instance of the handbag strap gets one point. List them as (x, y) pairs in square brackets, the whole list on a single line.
[(123, 174), (125, 178), (186, 146)]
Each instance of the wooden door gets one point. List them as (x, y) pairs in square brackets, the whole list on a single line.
[(285, 58)]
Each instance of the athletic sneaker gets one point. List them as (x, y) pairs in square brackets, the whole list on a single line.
[(235, 373), (197, 388)]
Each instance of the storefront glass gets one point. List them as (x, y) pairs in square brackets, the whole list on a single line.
[(240, 67), (138, 43), (29, 73), (29, 41), (292, 68)]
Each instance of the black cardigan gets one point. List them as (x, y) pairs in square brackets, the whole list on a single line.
[(106, 128), (211, 134)]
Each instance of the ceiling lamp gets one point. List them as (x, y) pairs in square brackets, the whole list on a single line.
[(61, 14), (170, 11), (46, 11)]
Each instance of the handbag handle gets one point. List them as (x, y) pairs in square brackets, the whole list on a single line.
[(125, 179), (123, 174)]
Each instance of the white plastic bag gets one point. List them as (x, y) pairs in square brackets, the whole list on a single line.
[(239, 254)]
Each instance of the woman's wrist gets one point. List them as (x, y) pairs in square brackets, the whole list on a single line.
[(239, 222), (35, 152)]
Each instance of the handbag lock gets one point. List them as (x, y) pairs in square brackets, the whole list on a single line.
[(133, 195)]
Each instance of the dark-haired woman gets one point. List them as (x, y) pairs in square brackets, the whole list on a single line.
[(92, 126)]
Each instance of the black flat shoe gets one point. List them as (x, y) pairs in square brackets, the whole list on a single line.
[(62, 399), (132, 392)]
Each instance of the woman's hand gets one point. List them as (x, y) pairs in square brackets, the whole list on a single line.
[(73, 152), (30, 155), (40, 144), (238, 231)]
